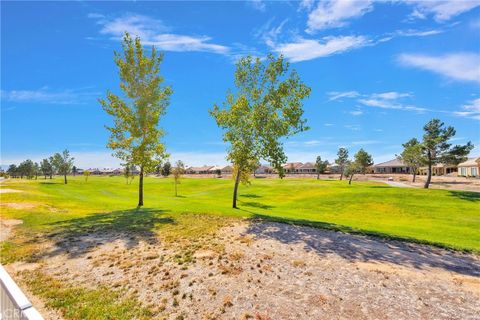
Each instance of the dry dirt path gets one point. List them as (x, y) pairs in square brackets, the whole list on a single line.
[(278, 271)]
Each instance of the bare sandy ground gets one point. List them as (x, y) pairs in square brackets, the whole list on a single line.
[(6, 227), (269, 270)]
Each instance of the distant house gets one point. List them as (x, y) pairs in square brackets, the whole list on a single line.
[(264, 169), (308, 167), (469, 168), (199, 170), (392, 166), (226, 170), (333, 168), (439, 169), (292, 167)]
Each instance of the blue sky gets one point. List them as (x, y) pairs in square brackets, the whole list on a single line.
[(378, 72)]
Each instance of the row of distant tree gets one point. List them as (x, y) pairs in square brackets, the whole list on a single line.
[(59, 163)]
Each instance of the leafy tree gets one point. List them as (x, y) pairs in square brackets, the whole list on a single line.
[(54, 169), (86, 174), (63, 163), (27, 169), (436, 148), (362, 160), (412, 156), (12, 171), (36, 168), (74, 170), (342, 160), (266, 106), (128, 173), (178, 171), (46, 168), (135, 135), (320, 166), (167, 167)]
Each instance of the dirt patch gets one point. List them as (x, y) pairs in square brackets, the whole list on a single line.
[(6, 190), (276, 271), (16, 205), (6, 227)]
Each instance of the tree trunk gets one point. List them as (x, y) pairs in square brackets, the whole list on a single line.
[(429, 175), (45, 177), (318, 176), (350, 181), (50, 176), (140, 188), (235, 189), (341, 175), (65, 178), (175, 188), (414, 175)]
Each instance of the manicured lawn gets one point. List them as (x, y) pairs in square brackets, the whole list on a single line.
[(441, 217)]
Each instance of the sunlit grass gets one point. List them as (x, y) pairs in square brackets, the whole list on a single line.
[(445, 218)]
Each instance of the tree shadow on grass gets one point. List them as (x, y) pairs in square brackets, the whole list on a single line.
[(466, 195), (256, 205), (361, 248), (76, 237), (249, 195)]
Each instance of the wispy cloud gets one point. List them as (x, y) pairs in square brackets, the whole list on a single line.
[(155, 32), (456, 66), (336, 13), (440, 10), (356, 112), (257, 5), (336, 95), (302, 49), (470, 110), (47, 96), (384, 100)]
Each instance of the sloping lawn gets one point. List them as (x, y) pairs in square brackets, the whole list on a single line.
[(445, 218)]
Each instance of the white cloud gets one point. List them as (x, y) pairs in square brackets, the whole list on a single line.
[(356, 113), (418, 33), (392, 95), (257, 5), (441, 10), (470, 110), (335, 13), (47, 96), (457, 66), (154, 32), (336, 95), (306, 49)]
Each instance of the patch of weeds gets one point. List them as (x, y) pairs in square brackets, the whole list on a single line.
[(298, 263), (75, 302)]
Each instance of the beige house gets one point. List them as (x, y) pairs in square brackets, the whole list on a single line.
[(199, 170), (392, 166), (439, 169), (469, 168), (264, 169), (292, 167), (308, 167)]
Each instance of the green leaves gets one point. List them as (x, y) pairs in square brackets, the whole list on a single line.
[(266, 106), (135, 135)]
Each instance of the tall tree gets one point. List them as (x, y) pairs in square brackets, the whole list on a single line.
[(342, 160), (53, 171), (320, 166), (36, 168), (167, 167), (12, 171), (362, 160), (128, 172), (412, 156), (266, 106), (437, 149), (135, 135), (86, 174), (178, 171), (63, 163), (46, 168)]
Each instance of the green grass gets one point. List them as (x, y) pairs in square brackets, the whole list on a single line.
[(79, 303), (445, 218)]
